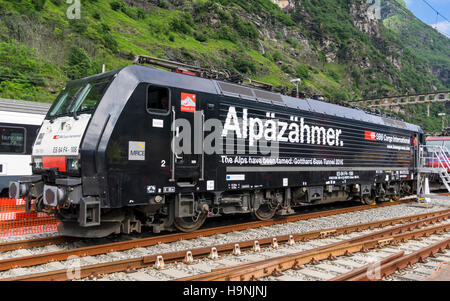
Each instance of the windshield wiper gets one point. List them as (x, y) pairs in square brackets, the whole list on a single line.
[(72, 100)]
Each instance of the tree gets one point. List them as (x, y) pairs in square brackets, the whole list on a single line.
[(79, 63)]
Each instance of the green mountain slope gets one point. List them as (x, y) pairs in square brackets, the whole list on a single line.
[(337, 47)]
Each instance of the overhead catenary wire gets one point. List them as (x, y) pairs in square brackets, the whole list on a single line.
[(437, 15), (405, 10), (437, 12)]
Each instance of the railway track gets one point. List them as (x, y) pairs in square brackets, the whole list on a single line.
[(395, 263), (32, 243), (407, 224), (53, 240), (300, 261)]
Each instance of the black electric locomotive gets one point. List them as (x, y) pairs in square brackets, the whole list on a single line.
[(142, 146)]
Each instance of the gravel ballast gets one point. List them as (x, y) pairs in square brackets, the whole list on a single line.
[(340, 220)]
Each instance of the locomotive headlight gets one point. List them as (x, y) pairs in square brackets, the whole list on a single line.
[(17, 190), (37, 163), (73, 164), (52, 195)]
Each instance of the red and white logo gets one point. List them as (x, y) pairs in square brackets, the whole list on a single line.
[(372, 136), (188, 102), (56, 137)]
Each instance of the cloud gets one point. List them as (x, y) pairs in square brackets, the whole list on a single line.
[(443, 27)]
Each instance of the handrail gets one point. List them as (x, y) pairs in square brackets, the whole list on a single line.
[(435, 157), (434, 153), (444, 152)]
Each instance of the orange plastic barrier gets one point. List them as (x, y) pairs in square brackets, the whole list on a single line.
[(12, 204), (15, 221)]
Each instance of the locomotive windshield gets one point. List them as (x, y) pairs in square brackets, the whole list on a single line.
[(79, 98)]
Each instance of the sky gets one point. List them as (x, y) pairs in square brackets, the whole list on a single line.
[(422, 11)]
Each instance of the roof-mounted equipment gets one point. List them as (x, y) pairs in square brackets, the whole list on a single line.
[(180, 67), (199, 72)]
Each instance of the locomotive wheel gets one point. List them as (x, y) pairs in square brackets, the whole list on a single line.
[(189, 224), (367, 200), (265, 212)]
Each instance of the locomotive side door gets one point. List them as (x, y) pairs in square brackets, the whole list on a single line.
[(187, 129), (417, 141), (159, 110)]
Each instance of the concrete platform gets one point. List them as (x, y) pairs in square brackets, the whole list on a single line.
[(442, 275)]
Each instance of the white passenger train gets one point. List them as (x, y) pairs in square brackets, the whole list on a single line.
[(19, 124)]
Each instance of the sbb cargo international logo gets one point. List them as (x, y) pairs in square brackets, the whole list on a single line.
[(372, 136)]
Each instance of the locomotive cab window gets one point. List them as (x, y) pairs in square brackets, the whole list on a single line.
[(157, 100), (80, 98), (12, 140)]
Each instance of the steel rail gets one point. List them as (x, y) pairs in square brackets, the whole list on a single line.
[(31, 243), (404, 261), (375, 235), (379, 234), (136, 263), (356, 272), (275, 266), (15, 262)]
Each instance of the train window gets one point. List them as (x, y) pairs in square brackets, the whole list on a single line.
[(157, 100), (82, 97), (90, 96), (63, 101), (12, 140)]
